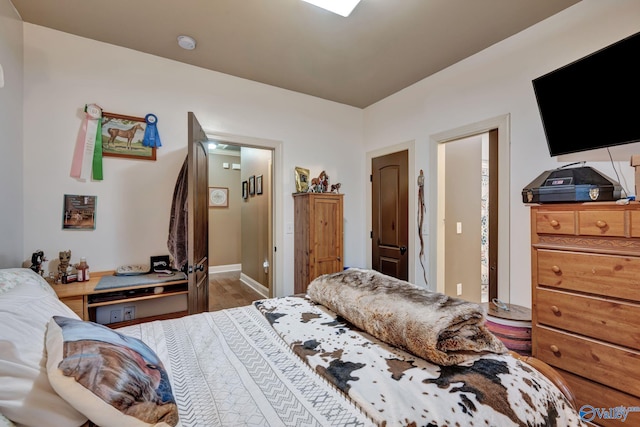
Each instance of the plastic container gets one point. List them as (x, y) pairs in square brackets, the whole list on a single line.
[(83, 270)]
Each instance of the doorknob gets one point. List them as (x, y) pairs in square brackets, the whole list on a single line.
[(403, 250), (196, 268)]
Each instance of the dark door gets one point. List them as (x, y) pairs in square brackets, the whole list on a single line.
[(390, 214), (493, 214), (198, 234)]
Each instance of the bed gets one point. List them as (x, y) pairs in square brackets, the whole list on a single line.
[(287, 361)]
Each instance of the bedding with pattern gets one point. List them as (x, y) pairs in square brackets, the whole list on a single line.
[(285, 361)]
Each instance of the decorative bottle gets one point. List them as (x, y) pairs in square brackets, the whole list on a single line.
[(83, 270)]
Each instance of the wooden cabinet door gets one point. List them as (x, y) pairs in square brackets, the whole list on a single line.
[(326, 239)]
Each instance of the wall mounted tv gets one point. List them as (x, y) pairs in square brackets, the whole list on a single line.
[(593, 102)]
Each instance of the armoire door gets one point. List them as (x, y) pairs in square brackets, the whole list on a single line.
[(327, 235)]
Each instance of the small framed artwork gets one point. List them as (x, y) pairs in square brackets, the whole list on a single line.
[(218, 197), (245, 189), (259, 184), (79, 212), (252, 185), (302, 179), (122, 136)]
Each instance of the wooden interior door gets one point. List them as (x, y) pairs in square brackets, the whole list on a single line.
[(390, 214), (198, 218)]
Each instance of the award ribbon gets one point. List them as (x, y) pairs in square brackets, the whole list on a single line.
[(84, 153), (151, 136), (97, 152)]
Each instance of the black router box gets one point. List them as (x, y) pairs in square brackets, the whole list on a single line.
[(580, 184)]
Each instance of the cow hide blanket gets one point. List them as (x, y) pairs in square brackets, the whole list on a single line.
[(438, 328)]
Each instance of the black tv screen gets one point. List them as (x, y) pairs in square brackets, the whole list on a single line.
[(593, 102)]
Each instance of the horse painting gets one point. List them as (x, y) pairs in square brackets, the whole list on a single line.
[(127, 134)]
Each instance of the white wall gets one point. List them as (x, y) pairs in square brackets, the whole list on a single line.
[(495, 82), (12, 253), (64, 72)]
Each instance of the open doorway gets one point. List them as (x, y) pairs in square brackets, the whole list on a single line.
[(241, 218), (457, 153), (470, 216)]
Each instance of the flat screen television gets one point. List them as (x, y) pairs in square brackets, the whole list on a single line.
[(593, 102)]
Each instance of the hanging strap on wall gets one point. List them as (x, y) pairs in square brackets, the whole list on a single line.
[(421, 209)]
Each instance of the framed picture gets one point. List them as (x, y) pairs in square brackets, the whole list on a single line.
[(259, 185), (302, 179), (252, 185), (245, 189), (79, 212), (218, 197), (122, 137)]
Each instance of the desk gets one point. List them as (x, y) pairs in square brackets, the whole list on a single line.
[(83, 299)]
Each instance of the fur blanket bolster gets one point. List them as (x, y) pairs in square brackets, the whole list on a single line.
[(431, 325)]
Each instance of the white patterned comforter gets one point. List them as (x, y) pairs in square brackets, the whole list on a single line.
[(230, 368)]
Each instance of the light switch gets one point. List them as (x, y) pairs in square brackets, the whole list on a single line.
[(459, 227)]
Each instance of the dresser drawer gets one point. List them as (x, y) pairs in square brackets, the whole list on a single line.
[(555, 222), (599, 396), (634, 223), (610, 275), (600, 362), (609, 320), (601, 223)]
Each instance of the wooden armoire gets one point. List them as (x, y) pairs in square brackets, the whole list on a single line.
[(318, 245)]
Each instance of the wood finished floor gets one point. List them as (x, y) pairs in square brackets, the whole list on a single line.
[(227, 291)]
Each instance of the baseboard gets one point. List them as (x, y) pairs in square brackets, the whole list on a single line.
[(224, 268), (256, 286)]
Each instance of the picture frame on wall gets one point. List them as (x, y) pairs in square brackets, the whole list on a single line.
[(122, 136), (259, 184), (79, 212), (218, 197), (252, 185), (245, 189)]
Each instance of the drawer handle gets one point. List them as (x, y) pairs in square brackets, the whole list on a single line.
[(555, 309), (554, 223), (554, 348), (556, 269), (601, 224)]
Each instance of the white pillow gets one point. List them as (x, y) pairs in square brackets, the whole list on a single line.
[(113, 379), (27, 302)]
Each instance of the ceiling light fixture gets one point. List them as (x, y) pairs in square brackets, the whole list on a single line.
[(341, 7), (186, 42)]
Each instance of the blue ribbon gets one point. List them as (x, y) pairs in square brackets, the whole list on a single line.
[(151, 136)]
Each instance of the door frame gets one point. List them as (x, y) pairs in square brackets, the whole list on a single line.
[(276, 279), (412, 177), (436, 205)]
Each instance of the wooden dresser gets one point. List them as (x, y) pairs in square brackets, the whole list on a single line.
[(586, 300), (318, 245)]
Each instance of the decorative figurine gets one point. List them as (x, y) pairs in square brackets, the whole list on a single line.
[(335, 188), (319, 184), (65, 257), (36, 261)]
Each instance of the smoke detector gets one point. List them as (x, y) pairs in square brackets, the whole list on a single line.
[(186, 42)]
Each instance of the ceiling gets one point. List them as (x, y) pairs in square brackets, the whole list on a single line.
[(381, 48)]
